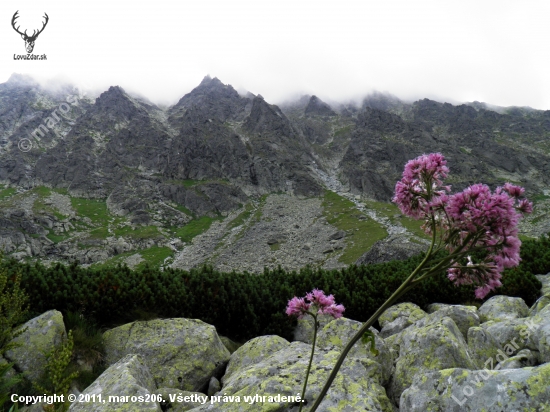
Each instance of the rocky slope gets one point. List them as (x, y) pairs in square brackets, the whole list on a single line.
[(118, 179)]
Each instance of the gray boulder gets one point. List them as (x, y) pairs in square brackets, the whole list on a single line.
[(503, 308), (464, 316), (253, 351), (437, 345), (540, 304), (129, 377), (545, 280), (461, 390), (357, 387), (516, 332), (43, 334), (524, 358), (482, 346), (181, 353), (408, 310), (338, 333)]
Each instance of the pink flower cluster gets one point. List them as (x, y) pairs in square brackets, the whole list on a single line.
[(316, 300), (475, 218)]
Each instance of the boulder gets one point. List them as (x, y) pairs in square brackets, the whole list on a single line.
[(541, 339), (540, 304), (464, 317), (545, 280), (254, 351), (128, 377), (408, 310), (303, 332), (516, 332), (461, 390), (180, 353), (42, 335), (503, 308), (437, 345), (482, 346), (395, 326), (524, 358), (337, 334), (356, 388)]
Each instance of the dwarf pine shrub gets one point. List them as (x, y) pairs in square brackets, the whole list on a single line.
[(243, 305)]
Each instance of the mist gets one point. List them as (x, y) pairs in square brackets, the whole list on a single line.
[(456, 51)]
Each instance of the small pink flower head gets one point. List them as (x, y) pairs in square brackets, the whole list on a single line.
[(297, 307), (513, 190), (525, 206), (317, 301), (421, 185)]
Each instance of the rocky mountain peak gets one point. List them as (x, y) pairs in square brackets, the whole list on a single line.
[(317, 107), (267, 117)]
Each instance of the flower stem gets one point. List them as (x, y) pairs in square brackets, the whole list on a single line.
[(310, 361)]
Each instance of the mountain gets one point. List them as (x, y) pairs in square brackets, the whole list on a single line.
[(235, 181)]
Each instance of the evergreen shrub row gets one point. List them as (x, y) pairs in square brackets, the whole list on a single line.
[(243, 305)]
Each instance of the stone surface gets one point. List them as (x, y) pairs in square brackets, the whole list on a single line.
[(482, 346), (180, 353), (253, 351), (435, 346), (336, 335), (356, 388), (44, 333), (408, 310), (461, 390), (464, 317), (130, 376), (503, 308)]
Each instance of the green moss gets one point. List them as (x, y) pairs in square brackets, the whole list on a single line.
[(362, 232)]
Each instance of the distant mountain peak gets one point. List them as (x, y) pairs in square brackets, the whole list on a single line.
[(317, 107), (21, 79)]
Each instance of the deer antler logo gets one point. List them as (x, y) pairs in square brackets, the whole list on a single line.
[(29, 40)]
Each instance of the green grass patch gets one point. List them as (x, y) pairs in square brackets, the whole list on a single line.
[(61, 191), (361, 234), (241, 218), (5, 193), (275, 246), (142, 232), (395, 216), (100, 233), (155, 256), (94, 209), (57, 238), (194, 228)]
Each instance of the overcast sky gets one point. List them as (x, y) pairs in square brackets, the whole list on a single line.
[(492, 51)]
